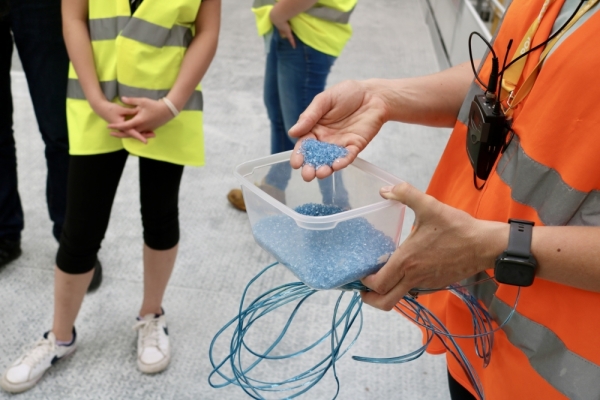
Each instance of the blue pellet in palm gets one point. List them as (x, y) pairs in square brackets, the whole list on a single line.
[(318, 153), (325, 259)]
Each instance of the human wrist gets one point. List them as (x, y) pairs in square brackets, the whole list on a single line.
[(494, 240), (275, 15), (378, 91), (98, 102), (173, 109)]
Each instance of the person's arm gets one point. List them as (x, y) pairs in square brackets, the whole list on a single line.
[(283, 11), (447, 245), (200, 53), (79, 47), (351, 113)]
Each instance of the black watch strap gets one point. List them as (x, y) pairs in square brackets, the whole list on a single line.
[(519, 239)]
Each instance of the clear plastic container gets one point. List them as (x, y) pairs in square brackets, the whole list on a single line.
[(324, 252)]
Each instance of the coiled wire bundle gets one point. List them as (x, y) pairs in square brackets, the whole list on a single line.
[(238, 366), (242, 359)]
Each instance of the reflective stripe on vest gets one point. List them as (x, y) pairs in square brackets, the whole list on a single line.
[(139, 30), (112, 89), (568, 372), (555, 201), (549, 174), (544, 190), (318, 11)]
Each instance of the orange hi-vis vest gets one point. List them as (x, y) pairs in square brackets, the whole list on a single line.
[(549, 174)]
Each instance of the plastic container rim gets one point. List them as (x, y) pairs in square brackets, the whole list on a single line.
[(248, 167)]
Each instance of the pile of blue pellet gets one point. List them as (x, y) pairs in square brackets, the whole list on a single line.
[(324, 259), (318, 153)]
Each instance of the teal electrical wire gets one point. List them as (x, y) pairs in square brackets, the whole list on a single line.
[(482, 325), (261, 306), (341, 321)]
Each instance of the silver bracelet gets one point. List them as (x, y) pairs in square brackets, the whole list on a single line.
[(171, 106)]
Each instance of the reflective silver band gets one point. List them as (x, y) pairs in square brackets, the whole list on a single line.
[(318, 11), (75, 91), (540, 187), (569, 373), (329, 14), (262, 3), (156, 35), (139, 30), (112, 89), (543, 189), (463, 114), (106, 28)]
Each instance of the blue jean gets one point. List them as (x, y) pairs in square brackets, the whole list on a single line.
[(293, 77), (37, 33)]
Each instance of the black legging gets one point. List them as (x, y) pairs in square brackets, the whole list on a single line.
[(93, 181)]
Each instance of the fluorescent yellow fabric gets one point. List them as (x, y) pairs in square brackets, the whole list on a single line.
[(149, 70), (322, 35)]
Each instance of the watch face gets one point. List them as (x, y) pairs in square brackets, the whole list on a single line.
[(514, 271)]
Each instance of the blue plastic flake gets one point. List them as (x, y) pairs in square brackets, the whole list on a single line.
[(318, 210), (318, 153), (324, 259)]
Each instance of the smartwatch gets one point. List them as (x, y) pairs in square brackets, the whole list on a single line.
[(516, 266)]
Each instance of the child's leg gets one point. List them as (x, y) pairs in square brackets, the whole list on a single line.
[(93, 182), (158, 265), (69, 290), (159, 196), (159, 193)]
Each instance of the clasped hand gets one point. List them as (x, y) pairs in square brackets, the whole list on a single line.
[(136, 122)]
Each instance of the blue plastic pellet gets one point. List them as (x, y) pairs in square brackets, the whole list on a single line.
[(318, 210), (325, 259), (318, 153)]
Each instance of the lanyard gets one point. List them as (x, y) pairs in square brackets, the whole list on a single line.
[(513, 74)]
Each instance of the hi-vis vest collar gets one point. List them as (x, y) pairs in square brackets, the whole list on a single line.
[(317, 11)]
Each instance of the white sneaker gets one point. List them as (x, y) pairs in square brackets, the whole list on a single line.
[(153, 349), (28, 369)]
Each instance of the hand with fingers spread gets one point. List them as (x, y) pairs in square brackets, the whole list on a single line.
[(445, 246), (348, 114), (149, 115)]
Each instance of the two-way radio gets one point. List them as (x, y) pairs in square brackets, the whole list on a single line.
[(488, 126)]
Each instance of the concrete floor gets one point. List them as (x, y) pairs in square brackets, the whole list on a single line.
[(218, 254)]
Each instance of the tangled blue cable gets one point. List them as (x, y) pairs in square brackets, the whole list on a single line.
[(237, 367), (483, 332), (240, 350)]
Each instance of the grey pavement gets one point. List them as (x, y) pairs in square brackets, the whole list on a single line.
[(218, 255)]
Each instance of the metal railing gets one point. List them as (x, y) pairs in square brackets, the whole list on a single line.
[(490, 11)]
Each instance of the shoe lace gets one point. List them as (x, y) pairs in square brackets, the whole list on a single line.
[(149, 331), (37, 352)]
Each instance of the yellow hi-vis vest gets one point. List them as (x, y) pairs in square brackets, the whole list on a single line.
[(324, 27), (138, 55)]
